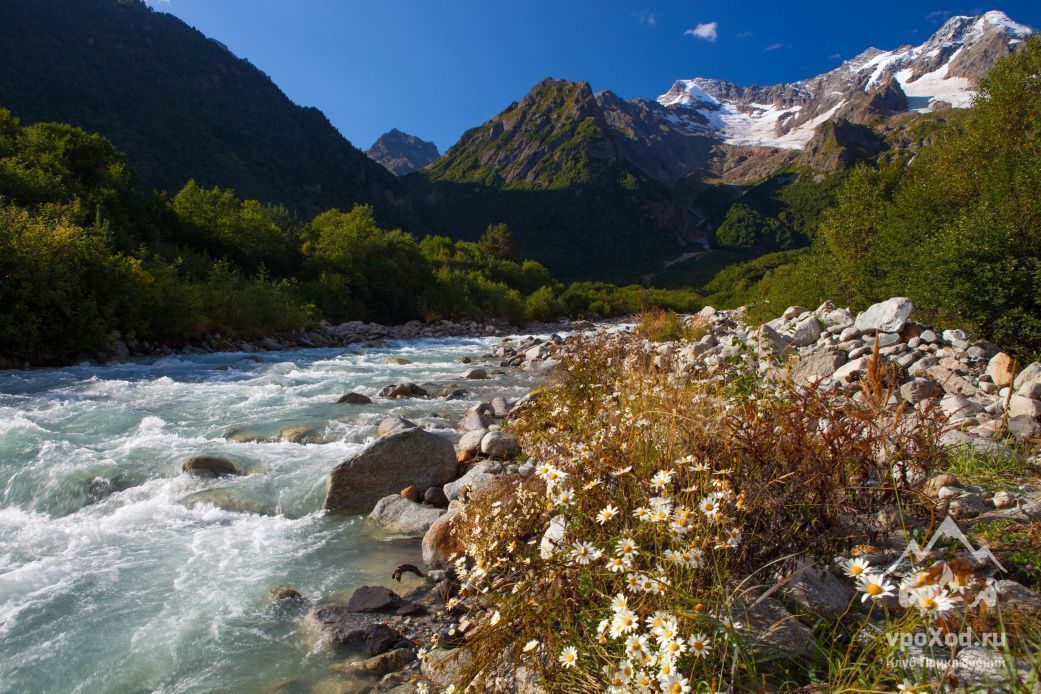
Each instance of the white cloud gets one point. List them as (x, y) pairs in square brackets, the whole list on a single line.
[(835, 56), (772, 47), (938, 16), (707, 30), (745, 34)]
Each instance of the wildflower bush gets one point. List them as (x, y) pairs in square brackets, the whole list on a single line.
[(664, 509)]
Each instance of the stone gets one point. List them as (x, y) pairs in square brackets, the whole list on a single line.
[(403, 390), (379, 665), (921, 367), (955, 336), (1020, 406), (435, 496), (410, 492), (441, 544), (952, 382), (817, 592), (391, 424), (397, 359), (919, 389), (793, 312), (444, 667), (339, 627), (887, 317), (1024, 427), (1030, 390), (390, 463), (284, 594), (476, 478), (817, 366), (935, 484), (967, 506), (1031, 374), (849, 333), (374, 599), (471, 440), (1016, 596), (774, 631), (500, 406), (886, 340), (851, 371), (806, 331), (354, 399), (1003, 499), (209, 466), (300, 433), (245, 436), (475, 419), (770, 339), (401, 518), (929, 337), (475, 374), (958, 407), (501, 445)]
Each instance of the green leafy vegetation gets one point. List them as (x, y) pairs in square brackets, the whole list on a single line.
[(83, 254)]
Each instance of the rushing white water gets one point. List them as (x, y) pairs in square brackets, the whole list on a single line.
[(120, 574)]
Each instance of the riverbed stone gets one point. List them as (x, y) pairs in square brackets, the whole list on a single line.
[(481, 475), (339, 627), (209, 466), (380, 665), (374, 599), (476, 419), (475, 374), (435, 496), (387, 465), (354, 399), (402, 518), (442, 543)]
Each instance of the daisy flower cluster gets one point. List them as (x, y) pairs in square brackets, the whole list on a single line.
[(930, 593)]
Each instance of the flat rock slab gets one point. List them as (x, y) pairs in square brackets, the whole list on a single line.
[(341, 628), (402, 518), (374, 599)]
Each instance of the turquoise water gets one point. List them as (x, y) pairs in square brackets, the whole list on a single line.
[(120, 574)]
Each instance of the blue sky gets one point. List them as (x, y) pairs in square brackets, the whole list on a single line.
[(434, 68)]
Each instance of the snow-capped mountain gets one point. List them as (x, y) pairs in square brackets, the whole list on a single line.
[(943, 72)]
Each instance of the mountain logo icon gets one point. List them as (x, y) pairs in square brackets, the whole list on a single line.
[(949, 529)]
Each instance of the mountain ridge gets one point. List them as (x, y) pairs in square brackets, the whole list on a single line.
[(401, 153)]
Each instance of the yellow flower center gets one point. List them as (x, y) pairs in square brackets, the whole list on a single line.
[(856, 570), (874, 589), (676, 688), (928, 603)]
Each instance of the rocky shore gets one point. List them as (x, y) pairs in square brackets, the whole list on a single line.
[(416, 484)]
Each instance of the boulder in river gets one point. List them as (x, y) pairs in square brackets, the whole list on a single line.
[(402, 518), (374, 599), (403, 390), (390, 424), (354, 399), (209, 466), (338, 626), (475, 374), (388, 465)]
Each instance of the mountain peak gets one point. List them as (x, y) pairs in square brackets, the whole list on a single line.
[(942, 72), (401, 153)]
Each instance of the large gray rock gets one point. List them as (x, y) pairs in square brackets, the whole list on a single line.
[(390, 424), (399, 518), (851, 371), (775, 631), (499, 444), (817, 366), (887, 317), (475, 419), (388, 465)]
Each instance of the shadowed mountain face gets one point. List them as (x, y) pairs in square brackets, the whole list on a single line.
[(180, 105), (401, 153), (559, 168)]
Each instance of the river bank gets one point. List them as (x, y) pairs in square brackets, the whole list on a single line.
[(121, 347)]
